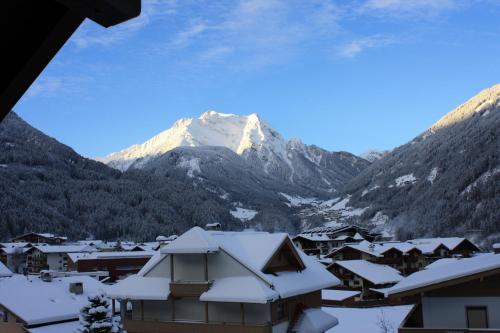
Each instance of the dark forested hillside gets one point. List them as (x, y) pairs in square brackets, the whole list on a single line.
[(46, 186), (445, 181)]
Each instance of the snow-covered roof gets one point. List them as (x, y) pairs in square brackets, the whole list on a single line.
[(338, 295), (428, 245), (344, 237), (441, 273), (440, 262), (38, 302), (364, 246), (314, 237), (109, 255), (4, 271), (496, 246), (358, 236), (64, 248), (404, 247), (375, 273), (242, 289), (195, 240), (314, 321), (68, 327), (137, 287)]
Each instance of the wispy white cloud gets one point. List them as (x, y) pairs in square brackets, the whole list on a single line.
[(92, 34), (53, 85), (408, 8), (357, 46), (255, 33)]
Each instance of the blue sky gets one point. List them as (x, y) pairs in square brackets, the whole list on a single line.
[(344, 75)]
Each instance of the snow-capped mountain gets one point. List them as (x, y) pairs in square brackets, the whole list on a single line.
[(446, 179), (262, 148), (373, 155)]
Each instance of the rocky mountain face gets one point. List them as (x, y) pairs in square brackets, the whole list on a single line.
[(445, 181), (251, 145)]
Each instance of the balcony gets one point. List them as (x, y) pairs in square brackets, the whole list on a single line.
[(189, 288), (145, 326)]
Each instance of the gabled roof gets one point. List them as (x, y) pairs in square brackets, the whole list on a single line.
[(364, 246), (64, 248), (429, 245), (375, 273), (195, 240), (37, 302), (253, 251), (444, 273)]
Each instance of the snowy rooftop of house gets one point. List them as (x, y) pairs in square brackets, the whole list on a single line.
[(428, 245), (38, 302), (314, 237), (441, 262), (195, 240), (364, 246), (404, 247), (315, 321), (4, 271), (230, 289), (375, 273), (109, 255), (338, 295), (253, 250), (137, 287), (64, 248), (442, 273), (496, 246)]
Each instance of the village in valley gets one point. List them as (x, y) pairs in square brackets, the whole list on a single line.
[(326, 279)]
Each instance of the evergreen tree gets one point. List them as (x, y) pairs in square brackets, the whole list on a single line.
[(96, 316)]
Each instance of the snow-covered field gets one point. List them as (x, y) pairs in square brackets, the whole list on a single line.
[(367, 320), (243, 214)]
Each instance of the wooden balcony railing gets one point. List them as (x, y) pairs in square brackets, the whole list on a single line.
[(188, 288)]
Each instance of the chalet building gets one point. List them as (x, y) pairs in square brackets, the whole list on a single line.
[(212, 281), (51, 257), (365, 276), (39, 238), (323, 240), (461, 296), (118, 264), (12, 255), (405, 257), (340, 297), (437, 248), (29, 302)]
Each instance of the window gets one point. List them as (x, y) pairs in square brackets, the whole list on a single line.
[(346, 283), (280, 310), (356, 282), (477, 317)]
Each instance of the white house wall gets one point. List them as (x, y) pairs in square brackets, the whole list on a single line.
[(449, 312)]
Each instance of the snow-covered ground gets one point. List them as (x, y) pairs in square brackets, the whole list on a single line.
[(297, 201), (432, 175), (243, 214), (367, 320), (405, 180)]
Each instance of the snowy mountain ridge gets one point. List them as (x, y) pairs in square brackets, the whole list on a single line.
[(238, 133), (263, 149)]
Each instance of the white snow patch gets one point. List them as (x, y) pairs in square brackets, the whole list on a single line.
[(405, 180), (192, 165), (432, 175), (481, 179), (297, 201), (243, 214), (366, 191), (380, 218)]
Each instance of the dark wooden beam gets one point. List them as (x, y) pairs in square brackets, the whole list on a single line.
[(33, 31)]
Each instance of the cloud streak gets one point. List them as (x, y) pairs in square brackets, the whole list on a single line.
[(357, 46)]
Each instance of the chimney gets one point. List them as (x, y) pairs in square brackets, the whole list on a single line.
[(76, 288)]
